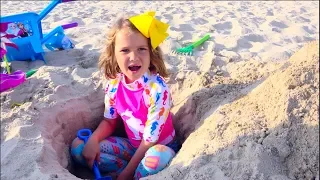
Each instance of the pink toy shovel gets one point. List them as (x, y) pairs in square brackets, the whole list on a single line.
[(8, 81)]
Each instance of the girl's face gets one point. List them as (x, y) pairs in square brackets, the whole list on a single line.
[(12, 26), (132, 54)]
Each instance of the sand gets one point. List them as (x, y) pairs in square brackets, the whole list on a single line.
[(245, 104)]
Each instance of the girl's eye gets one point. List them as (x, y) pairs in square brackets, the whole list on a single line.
[(125, 50), (142, 49)]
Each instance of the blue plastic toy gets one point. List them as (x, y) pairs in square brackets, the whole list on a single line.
[(56, 39), (25, 31), (84, 135)]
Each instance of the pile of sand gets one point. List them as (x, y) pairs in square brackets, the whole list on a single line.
[(265, 129)]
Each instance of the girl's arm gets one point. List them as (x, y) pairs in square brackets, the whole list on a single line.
[(104, 130), (91, 150), (129, 170)]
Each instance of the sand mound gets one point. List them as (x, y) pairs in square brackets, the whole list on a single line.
[(253, 120), (264, 129)]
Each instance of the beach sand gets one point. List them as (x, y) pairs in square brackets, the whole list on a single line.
[(246, 104)]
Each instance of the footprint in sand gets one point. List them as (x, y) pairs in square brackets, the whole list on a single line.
[(270, 12), (183, 27), (78, 20), (223, 28), (308, 30), (254, 38), (106, 18), (179, 11), (278, 24), (55, 17), (302, 10), (218, 47), (200, 21), (186, 36), (301, 19), (168, 8), (242, 43), (131, 13), (65, 8), (167, 16)]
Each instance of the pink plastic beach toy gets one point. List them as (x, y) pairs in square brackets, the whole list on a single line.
[(8, 81)]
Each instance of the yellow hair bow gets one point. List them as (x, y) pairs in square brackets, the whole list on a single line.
[(150, 27)]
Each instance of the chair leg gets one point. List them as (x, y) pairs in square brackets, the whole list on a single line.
[(43, 58)]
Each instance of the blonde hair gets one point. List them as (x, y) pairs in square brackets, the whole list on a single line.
[(107, 61)]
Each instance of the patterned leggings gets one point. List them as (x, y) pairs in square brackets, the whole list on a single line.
[(116, 152)]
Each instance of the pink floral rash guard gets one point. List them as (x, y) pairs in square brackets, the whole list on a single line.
[(144, 107)]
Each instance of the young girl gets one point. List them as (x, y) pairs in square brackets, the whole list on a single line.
[(135, 92)]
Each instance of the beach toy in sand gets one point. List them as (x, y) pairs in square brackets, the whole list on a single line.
[(84, 135), (188, 50), (3, 50), (6, 64), (57, 39), (8, 81), (31, 72), (25, 30)]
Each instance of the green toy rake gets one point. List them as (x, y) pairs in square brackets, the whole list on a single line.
[(188, 50)]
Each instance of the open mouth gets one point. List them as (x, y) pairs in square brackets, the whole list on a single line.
[(134, 68)]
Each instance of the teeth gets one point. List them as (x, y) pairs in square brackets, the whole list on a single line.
[(134, 68)]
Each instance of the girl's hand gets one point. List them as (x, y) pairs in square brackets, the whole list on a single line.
[(91, 151)]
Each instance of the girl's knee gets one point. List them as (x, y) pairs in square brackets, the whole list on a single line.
[(161, 151), (76, 151), (76, 142), (157, 158)]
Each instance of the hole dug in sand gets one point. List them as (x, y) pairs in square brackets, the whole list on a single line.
[(59, 127)]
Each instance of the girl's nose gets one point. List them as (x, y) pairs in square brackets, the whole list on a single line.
[(133, 56)]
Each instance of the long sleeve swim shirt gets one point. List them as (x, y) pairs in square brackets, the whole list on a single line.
[(144, 106)]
